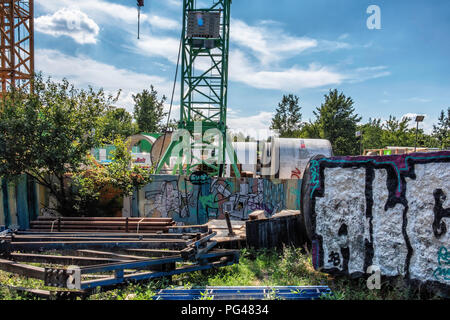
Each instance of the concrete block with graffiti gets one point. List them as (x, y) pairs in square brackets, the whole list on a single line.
[(199, 198), (392, 212)]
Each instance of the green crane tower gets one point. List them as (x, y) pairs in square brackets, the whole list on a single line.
[(201, 138)]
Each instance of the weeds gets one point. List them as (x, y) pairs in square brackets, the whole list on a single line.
[(288, 267)]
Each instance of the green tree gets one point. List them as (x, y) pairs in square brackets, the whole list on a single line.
[(441, 130), (117, 122), (336, 121), (372, 134), (310, 130), (119, 176), (427, 140), (397, 133), (48, 135), (149, 111), (288, 118)]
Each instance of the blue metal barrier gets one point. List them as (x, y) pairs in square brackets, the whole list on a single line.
[(245, 293)]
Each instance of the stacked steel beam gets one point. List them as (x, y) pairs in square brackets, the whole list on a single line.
[(82, 261), (66, 224)]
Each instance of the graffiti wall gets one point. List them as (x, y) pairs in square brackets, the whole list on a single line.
[(199, 198), (392, 212)]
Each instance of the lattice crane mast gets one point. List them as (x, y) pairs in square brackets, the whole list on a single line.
[(204, 52), (16, 44)]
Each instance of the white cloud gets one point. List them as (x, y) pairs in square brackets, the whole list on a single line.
[(418, 99), (268, 44), (153, 46), (256, 126), (367, 73), (162, 22), (255, 62), (69, 22), (83, 71), (174, 3), (426, 125), (294, 78), (111, 13)]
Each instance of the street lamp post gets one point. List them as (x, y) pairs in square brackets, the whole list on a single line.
[(418, 119)]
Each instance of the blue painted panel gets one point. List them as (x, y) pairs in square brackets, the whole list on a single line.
[(135, 205), (245, 293), (33, 202), (22, 203), (6, 209)]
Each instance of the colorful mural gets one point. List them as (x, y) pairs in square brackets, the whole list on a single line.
[(199, 198)]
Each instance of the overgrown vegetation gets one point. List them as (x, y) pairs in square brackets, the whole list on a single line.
[(149, 111), (48, 135), (118, 178), (290, 267)]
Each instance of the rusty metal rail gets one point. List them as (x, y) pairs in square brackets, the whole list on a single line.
[(79, 224), (88, 260)]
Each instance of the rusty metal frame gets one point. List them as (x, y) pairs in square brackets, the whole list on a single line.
[(16, 44), (124, 257)]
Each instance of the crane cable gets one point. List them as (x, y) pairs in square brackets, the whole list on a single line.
[(171, 102)]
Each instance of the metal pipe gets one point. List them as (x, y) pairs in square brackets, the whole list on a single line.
[(230, 227)]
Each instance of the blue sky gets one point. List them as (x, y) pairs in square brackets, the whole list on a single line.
[(277, 47)]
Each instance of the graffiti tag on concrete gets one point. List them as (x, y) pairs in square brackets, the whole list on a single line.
[(199, 198), (442, 272), (395, 212)]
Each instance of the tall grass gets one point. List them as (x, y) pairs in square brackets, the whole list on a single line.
[(287, 267)]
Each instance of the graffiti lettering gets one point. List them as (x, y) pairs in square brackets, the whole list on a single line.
[(401, 198), (314, 176), (199, 198), (439, 227), (335, 258), (443, 270), (296, 174), (199, 178)]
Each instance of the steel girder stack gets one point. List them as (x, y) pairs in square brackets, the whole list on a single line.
[(81, 262)]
